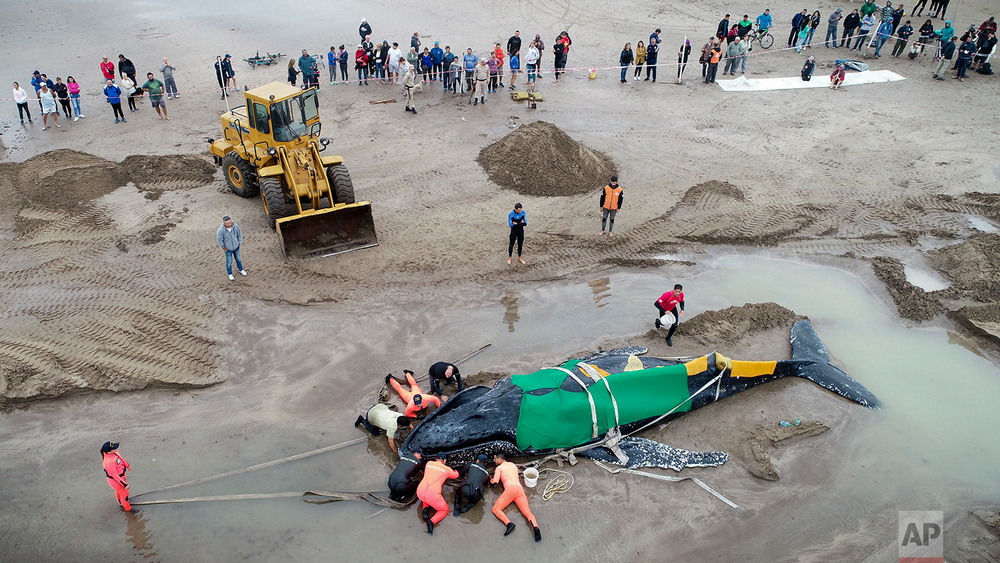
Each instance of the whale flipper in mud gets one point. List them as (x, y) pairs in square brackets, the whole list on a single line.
[(642, 452)]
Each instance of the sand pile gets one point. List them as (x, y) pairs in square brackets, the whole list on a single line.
[(540, 159), (63, 178)]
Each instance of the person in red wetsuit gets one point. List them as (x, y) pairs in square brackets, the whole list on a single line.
[(414, 398), (506, 472), (429, 492), (670, 302), (115, 467)]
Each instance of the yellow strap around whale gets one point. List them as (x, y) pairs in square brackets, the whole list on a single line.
[(752, 369)]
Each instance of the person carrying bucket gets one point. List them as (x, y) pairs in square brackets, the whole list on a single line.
[(115, 467), (672, 303), (506, 472)]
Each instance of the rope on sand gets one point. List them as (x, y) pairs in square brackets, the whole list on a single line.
[(561, 483), (697, 481), (324, 498), (254, 468)]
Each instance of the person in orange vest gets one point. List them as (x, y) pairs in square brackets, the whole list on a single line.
[(512, 492), (611, 202), (429, 491), (414, 398), (115, 467)]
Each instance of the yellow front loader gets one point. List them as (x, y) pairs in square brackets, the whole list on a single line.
[(271, 146)]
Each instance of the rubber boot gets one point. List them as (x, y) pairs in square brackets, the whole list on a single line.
[(538, 534), (430, 527), (510, 528), (475, 102)]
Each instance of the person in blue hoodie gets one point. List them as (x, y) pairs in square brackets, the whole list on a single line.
[(882, 35), (437, 60), (114, 95), (516, 220), (230, 238)]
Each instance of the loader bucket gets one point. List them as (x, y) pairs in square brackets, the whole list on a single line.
[(326, 232)]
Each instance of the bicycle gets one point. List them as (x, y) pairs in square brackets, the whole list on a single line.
[(763, 38)]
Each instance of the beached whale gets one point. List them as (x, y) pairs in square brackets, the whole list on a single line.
[(591, 406)]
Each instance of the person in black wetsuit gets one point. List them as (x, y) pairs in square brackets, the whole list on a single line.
[(472, 489), (404, 479), (445, 373)]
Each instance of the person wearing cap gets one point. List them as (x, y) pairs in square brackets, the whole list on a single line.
[(808, 68), (441, 373), (126, 67), (611, 201), (516, 220), (382, 418), (506, 472), (414, 398), (403, 479), (437, 62), (228, 72), (115, 467), (429, 491), (471, 491), (365, 29), (230, 238)]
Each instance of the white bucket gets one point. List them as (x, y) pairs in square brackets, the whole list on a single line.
[(530, 477), (667, 319)]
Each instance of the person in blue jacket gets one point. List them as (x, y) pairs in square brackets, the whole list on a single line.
[(114, 95), (764, 21), (331, 64), (516, 220), (437, 59), (470, 61), (882, 35)]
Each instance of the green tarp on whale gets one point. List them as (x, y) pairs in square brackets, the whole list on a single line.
[(639, 394)]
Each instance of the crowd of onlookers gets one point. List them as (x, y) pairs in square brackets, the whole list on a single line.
[(868, 26), (119, 82)]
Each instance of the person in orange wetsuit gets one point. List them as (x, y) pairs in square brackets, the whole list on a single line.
[(414, 398), (115, 467), (429, 491), (506, 472)]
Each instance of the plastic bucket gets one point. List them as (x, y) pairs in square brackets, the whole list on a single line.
[(530, 477)]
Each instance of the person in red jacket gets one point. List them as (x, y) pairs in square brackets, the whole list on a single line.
[(115, 467), (670, 302), (429, 492)]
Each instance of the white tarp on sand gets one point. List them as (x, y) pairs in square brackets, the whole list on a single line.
[(819, 80)]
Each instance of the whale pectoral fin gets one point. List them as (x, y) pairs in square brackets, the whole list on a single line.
[(642, 452), (634, 363)]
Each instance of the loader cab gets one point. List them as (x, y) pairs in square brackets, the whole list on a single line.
[(283, 112)]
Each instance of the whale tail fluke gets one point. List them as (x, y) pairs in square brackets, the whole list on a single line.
[(811, 361)]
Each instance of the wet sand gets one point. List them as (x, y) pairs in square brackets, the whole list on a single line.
[(117, 285)]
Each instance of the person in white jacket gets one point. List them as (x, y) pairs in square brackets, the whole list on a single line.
[(21, 99)]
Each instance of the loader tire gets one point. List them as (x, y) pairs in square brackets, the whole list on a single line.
[(240, 175), (340, 179), (275, 204)]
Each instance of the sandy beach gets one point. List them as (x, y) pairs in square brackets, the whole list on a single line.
[(120, 323)]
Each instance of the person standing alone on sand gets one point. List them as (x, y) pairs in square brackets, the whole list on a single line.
[(611, 202), (115, 467), (670, 302), (21, 99), (230, 238), (516, 220)]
